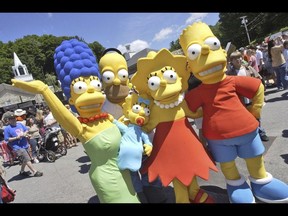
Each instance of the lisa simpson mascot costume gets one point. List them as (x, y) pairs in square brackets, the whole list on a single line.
[(78, 72), (231, 129), (177, 156)]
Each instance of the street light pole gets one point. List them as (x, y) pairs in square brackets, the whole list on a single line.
[(244, 21)]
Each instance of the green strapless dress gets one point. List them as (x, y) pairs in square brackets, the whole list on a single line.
[(110, 184)]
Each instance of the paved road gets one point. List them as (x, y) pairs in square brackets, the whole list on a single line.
[(67, 180)]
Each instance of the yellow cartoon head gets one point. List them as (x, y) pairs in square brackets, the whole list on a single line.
[(161, 75), (115, 77), (86, 95), (205, 56), (137, 109)]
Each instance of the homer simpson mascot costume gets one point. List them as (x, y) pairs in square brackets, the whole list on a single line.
[(115, 80), (116, 85), (78, 72), (177, 156), (231, 130)]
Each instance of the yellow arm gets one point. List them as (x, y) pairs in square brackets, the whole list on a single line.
[(63, 116), (257, 102), (190, 114), (147, 149)]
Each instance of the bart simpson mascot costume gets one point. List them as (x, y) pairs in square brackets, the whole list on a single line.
[(78, 72), (177, 156), (230, 129)]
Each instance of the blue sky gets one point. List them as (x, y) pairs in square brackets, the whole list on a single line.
[(140, 30)]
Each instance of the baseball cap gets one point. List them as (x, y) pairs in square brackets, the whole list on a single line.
[(11, 116)]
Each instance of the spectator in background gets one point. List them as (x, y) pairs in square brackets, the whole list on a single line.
[(50, 121), (34, 137), (285, 36), (20, 116), (2, 172), (16, 135), (245, 58), (238, 69), (275, 51), (39, 120), (269, 74)]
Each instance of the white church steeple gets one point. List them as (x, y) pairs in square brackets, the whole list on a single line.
[(20, 70)]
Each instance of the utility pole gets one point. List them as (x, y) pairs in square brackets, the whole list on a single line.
[(244, 21)]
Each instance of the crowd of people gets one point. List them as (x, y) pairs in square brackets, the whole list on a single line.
[(22, 130)]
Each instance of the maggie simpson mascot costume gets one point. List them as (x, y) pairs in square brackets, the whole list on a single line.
[(78, 72), (231, 130), (135, 143), (177, 156)]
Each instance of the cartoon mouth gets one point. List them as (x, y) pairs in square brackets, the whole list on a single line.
[(211, 70), (140, 121), (90, 106), (117, 94)]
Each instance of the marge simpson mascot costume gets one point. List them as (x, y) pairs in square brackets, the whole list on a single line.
[(230, 129), (177, 156), (78, 72)]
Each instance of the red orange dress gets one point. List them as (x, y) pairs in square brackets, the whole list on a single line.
[(177, 153)]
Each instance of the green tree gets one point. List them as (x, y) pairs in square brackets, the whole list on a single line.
[(97, 49), (174, 45)]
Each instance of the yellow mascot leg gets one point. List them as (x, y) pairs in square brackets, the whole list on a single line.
[(191, 194), (230, 170), (181, 192), (237, 188), (195, 190), (256, 167)]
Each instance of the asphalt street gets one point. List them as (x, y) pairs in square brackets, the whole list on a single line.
[(67, 181)]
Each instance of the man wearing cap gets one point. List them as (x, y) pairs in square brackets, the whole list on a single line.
[(15, 134)]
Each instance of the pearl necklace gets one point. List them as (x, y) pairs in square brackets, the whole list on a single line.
[(93, 118), (171, 105)]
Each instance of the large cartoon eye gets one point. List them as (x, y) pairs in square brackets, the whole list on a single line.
[(123, 74), (170, 76), (136, 108), (96, 84), (154, 83), (80, 87), (213, 43), (193, 51), (108, 77), (147, 111)]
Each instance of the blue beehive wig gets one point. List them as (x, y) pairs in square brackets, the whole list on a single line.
[(73, 59)]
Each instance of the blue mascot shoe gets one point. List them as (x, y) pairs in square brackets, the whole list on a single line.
[(269, 189), (239, 191)]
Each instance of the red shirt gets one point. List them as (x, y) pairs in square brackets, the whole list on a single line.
[(224, 116)]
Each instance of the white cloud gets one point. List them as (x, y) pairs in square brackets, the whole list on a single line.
[(196, 17), (50, 15), (163, 34), (135, 46)]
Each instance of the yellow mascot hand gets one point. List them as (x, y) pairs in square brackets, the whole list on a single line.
[(257, 103), (110, 117), (35, 86), (147, 149)]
